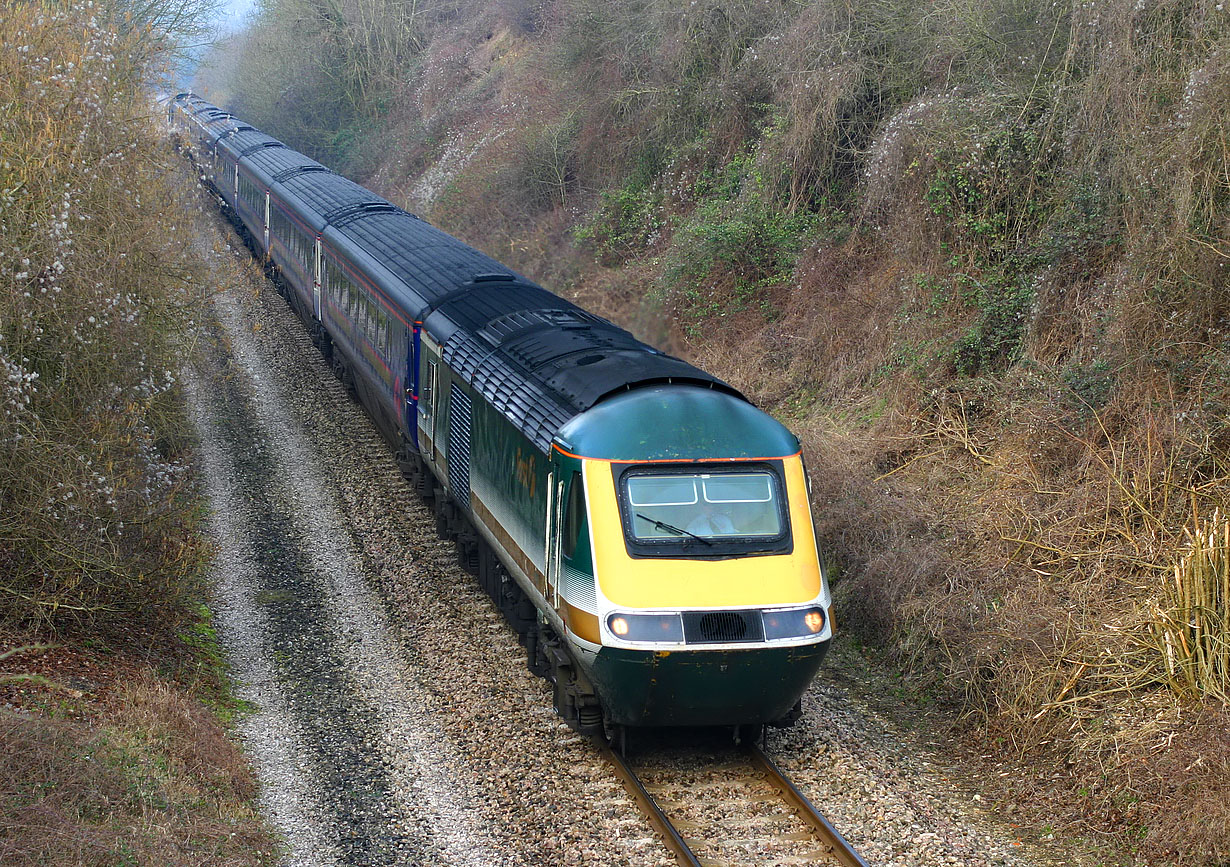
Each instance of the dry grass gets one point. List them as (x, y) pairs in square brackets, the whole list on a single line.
[(102, 762), (1192, 620)]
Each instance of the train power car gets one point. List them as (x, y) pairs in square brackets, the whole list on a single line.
[(644, 528)]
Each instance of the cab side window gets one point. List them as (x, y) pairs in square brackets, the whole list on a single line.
[(574, 523)]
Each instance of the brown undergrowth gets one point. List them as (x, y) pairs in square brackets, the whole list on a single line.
[(106, 761), (1050, 567)]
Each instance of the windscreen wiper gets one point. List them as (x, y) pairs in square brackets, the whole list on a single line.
[(671, 528)]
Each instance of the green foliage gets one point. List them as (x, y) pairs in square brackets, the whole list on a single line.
[(1091, 385), (1002, 301), (735, 246), (993, 186), (626, 223)]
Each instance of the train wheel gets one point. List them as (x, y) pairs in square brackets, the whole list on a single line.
[(426, 486), (616, 735), (489, 571), (467, 555), (409, 463), (749, 734), (541, 645), (442, 508)]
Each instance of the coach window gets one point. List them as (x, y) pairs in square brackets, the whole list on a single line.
[(338, 286), (301, 250), (382, 332)]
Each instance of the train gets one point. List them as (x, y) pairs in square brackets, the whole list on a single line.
[(643, 527)]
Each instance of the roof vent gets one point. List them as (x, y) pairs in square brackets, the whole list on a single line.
[(256, 147), (354, 211), (295, 171)]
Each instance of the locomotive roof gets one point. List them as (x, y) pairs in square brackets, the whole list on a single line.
[(543, 360), (536, 357), (706, 425)]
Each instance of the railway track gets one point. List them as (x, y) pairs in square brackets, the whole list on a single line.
[(721, 806)]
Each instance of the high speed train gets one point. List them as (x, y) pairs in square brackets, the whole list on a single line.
[(643, 527)]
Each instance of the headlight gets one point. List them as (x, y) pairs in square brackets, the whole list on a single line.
[(793, 623), (646, 627)]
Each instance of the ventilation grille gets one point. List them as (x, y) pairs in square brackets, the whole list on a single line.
[(722, 627), (578, 588), (459, 445)]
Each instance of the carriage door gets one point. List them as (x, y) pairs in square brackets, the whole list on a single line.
[(427, 409), (266, 224), (316, 283), (569, 512), (555, 521)]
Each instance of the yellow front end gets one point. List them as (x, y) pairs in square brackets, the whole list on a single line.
[(763, 581)]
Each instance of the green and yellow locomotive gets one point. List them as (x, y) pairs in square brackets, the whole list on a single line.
[(644, 528)]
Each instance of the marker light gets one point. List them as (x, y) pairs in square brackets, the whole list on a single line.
[(660, 628), (793, 623)]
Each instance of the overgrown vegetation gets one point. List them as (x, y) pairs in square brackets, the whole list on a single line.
[(102, 761), (93, 527), (977, 255), (137, 772)]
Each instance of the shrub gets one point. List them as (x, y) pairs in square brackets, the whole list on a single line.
[(626, 223), (94, 524), (735, 246)]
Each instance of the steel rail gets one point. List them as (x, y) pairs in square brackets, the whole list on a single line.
[(841, 849), (838, 846), (674, 840)]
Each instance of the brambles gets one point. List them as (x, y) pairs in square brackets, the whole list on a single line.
[(94, 524)]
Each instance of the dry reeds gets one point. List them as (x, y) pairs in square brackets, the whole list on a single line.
[(1192, 622)]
